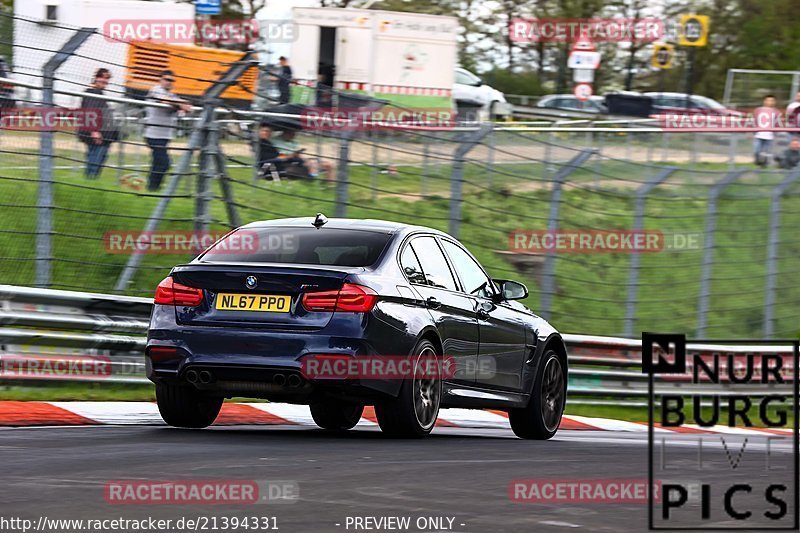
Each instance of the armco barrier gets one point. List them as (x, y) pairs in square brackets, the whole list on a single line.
[(55, 328)]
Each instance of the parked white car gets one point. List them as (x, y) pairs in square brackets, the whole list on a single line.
[(470, 87)]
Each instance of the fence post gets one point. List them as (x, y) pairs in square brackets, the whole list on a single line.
[(490, 155), (772, 251), (708, 249), (423, 189), (123, 130), (467, 143), (197, 139), (374, 171), (343, 173), (732, 149), (638, 225), (44, 201), (726, 98), (208, 160), (548, 274), (225, 184)]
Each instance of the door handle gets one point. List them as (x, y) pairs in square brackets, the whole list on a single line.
[(433, 303)]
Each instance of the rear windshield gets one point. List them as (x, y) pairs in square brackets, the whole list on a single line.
[(309, 246)]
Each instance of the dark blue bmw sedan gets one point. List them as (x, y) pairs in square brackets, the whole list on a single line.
[(338, 314)]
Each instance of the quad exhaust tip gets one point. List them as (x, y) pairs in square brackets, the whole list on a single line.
[(204, 377)]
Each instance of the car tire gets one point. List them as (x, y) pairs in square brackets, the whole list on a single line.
[(415, 410), (336, 415), (493, 111), (541, 418), (185, 407)]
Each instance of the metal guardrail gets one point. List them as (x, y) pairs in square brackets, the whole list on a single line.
[(56, 327), (50, 329)]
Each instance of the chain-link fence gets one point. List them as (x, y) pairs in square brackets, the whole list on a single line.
[(746, 88), (614, 228)]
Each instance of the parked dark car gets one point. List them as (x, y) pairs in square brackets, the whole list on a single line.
[(243, 322), (683, 103)]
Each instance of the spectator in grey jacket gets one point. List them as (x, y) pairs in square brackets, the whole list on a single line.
[(160, 126)]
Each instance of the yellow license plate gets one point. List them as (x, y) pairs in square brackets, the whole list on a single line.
[(253, 302)]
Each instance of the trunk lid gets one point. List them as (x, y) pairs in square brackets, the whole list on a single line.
[(277, 288)]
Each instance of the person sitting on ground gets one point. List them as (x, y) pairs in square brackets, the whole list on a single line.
[(791, 156), (291, 154), (267, 153)]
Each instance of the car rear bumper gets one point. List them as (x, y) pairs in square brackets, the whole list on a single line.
[(267, 363)]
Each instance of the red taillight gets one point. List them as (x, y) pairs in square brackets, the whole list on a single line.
[(170, 293), (351, 297), (159, 354)]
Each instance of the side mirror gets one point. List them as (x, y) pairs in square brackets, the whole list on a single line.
[(512, 290)]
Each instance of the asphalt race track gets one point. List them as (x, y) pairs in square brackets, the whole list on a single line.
[(463, 474)]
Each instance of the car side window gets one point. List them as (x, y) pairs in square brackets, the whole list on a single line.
[(472, 277), (434, 265), (462, 78), (411, 268)]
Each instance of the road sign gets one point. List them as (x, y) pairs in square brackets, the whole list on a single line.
[(693, 30), (583, 75), (662, 55), (580, 59), (208, 7), (582, 91), (583, 44)]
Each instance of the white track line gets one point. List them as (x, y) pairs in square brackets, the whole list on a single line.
[(473, 418), (115, 412), (734, 431), (608, 424), (146, 413), (297, 414)]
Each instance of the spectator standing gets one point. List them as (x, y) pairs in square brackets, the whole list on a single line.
[(284, 80), (6, 91), (793, 113), (99, 132), (765, 116), (160, 127)]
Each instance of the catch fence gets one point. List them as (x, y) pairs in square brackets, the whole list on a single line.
[(616, 227)]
